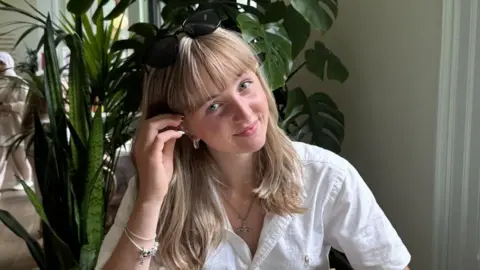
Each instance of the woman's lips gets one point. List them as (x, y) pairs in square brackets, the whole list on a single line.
[(250, 130)]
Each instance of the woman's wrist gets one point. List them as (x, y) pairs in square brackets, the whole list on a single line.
[(150, 198), (150, 193)]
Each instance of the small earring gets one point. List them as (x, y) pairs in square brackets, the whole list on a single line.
[(196, 143)]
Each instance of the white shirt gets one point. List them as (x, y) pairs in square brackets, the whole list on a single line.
[(343, 214)]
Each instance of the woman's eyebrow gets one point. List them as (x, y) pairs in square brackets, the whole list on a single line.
[(237, 79)]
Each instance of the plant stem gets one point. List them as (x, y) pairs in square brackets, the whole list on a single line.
[(248, 3), (78, 26), (295, 71)]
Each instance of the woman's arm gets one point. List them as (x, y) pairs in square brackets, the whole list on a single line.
[(358, 226), (143, 222), (141, 217), (153, 158)]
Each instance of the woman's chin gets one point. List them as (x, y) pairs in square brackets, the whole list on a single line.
[(251, 144)]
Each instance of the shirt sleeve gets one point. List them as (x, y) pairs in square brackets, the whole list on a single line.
[(123, 213), (359, 227)]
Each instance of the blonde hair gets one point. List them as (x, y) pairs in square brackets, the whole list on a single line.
[(191, 222)]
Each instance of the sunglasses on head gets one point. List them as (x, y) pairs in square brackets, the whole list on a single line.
[(163, 52)]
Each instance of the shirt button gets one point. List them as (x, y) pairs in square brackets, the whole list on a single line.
[(306, 260)]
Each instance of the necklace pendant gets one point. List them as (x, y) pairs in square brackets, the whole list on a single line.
[(243, 229)]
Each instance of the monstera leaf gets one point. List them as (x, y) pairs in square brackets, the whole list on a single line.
[(317, 116), (272, 39), (298, 29), (319, 13), (326, 65)]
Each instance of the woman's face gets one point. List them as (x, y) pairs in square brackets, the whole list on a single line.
[(235, 120)]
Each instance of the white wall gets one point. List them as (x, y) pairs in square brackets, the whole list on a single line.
[(392, 50)]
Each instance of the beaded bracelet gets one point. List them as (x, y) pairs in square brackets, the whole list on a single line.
[(144, 253)]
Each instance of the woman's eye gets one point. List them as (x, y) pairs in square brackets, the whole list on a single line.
[(244, 85), (213, 107)]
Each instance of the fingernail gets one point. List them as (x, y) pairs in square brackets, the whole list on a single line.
[(181, 132)]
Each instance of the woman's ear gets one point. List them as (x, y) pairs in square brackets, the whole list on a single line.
[(184, 127)]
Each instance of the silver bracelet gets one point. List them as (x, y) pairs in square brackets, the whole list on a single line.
[(138, 236), (144, 253)]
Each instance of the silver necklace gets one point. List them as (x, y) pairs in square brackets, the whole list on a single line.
[(243, 228)]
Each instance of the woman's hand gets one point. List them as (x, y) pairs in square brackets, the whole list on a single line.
[(153, 155)]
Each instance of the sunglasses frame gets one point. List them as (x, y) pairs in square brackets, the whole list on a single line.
[(191, 28), (168, 58)]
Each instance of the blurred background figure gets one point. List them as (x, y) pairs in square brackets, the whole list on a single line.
[(13, 93)]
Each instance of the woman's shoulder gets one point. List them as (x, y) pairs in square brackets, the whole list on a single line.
[(315, 156), (323, 170)]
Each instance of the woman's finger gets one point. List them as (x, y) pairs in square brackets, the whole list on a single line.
[(165, 141), (158, 125)]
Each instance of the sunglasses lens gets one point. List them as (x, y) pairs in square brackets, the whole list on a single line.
[(162, 53), (201, 23)]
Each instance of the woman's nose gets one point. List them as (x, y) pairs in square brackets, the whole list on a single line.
[(242, 111)]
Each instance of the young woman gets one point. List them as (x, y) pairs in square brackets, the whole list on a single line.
[(12, 100), (220, 186)]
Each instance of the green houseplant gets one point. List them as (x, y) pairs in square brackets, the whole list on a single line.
[(76, 151), (76, 178)]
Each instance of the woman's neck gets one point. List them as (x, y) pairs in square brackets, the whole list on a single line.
[(238, 171)]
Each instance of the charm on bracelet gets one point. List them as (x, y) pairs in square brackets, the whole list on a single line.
[(146, 253)]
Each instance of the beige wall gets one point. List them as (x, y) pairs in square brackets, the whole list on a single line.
[(392, 49)]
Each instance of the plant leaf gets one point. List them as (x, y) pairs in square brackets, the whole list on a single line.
[(25, 34), (77, 123), (99, 11), (33, 246), (88, 257), (318, 115), (328, 121), (274, 11), (7, 7), (146, 30), (319, 13), (79, 7), (35, 201), (51, 162), (53, 88), (321, 59), (78, 86), (119, 9), (93, 201), (272, 39), (298, 29), (125, 44)]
